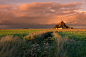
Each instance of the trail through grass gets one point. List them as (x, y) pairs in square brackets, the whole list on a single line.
[(41, 44)]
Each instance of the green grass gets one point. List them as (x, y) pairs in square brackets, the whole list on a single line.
[(78, 35), (19, 32), (78, 48), (40, 43), (32, 45)]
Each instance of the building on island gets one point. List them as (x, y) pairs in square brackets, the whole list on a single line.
[(61, 25)]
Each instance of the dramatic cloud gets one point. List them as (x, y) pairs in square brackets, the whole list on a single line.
[(48, 8), (42, 13)]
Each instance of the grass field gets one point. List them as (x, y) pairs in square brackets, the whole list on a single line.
[(19, 32), (42, 43), (78, 35)]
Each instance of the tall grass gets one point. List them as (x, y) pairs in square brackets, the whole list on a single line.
[(15, 47), (42, 44), (67, 47), (12, 47)]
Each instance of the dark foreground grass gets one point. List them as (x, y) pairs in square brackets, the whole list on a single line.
[(34, 45), (42, 44), (79, 45)]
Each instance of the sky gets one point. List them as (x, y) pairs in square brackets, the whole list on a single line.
[(41, 13)]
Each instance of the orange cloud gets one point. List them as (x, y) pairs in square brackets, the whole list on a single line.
[(42, 13), (6, 7), (84, 0), (47, 9)]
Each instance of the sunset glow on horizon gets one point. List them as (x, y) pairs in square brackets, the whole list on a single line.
[(28, 13)]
